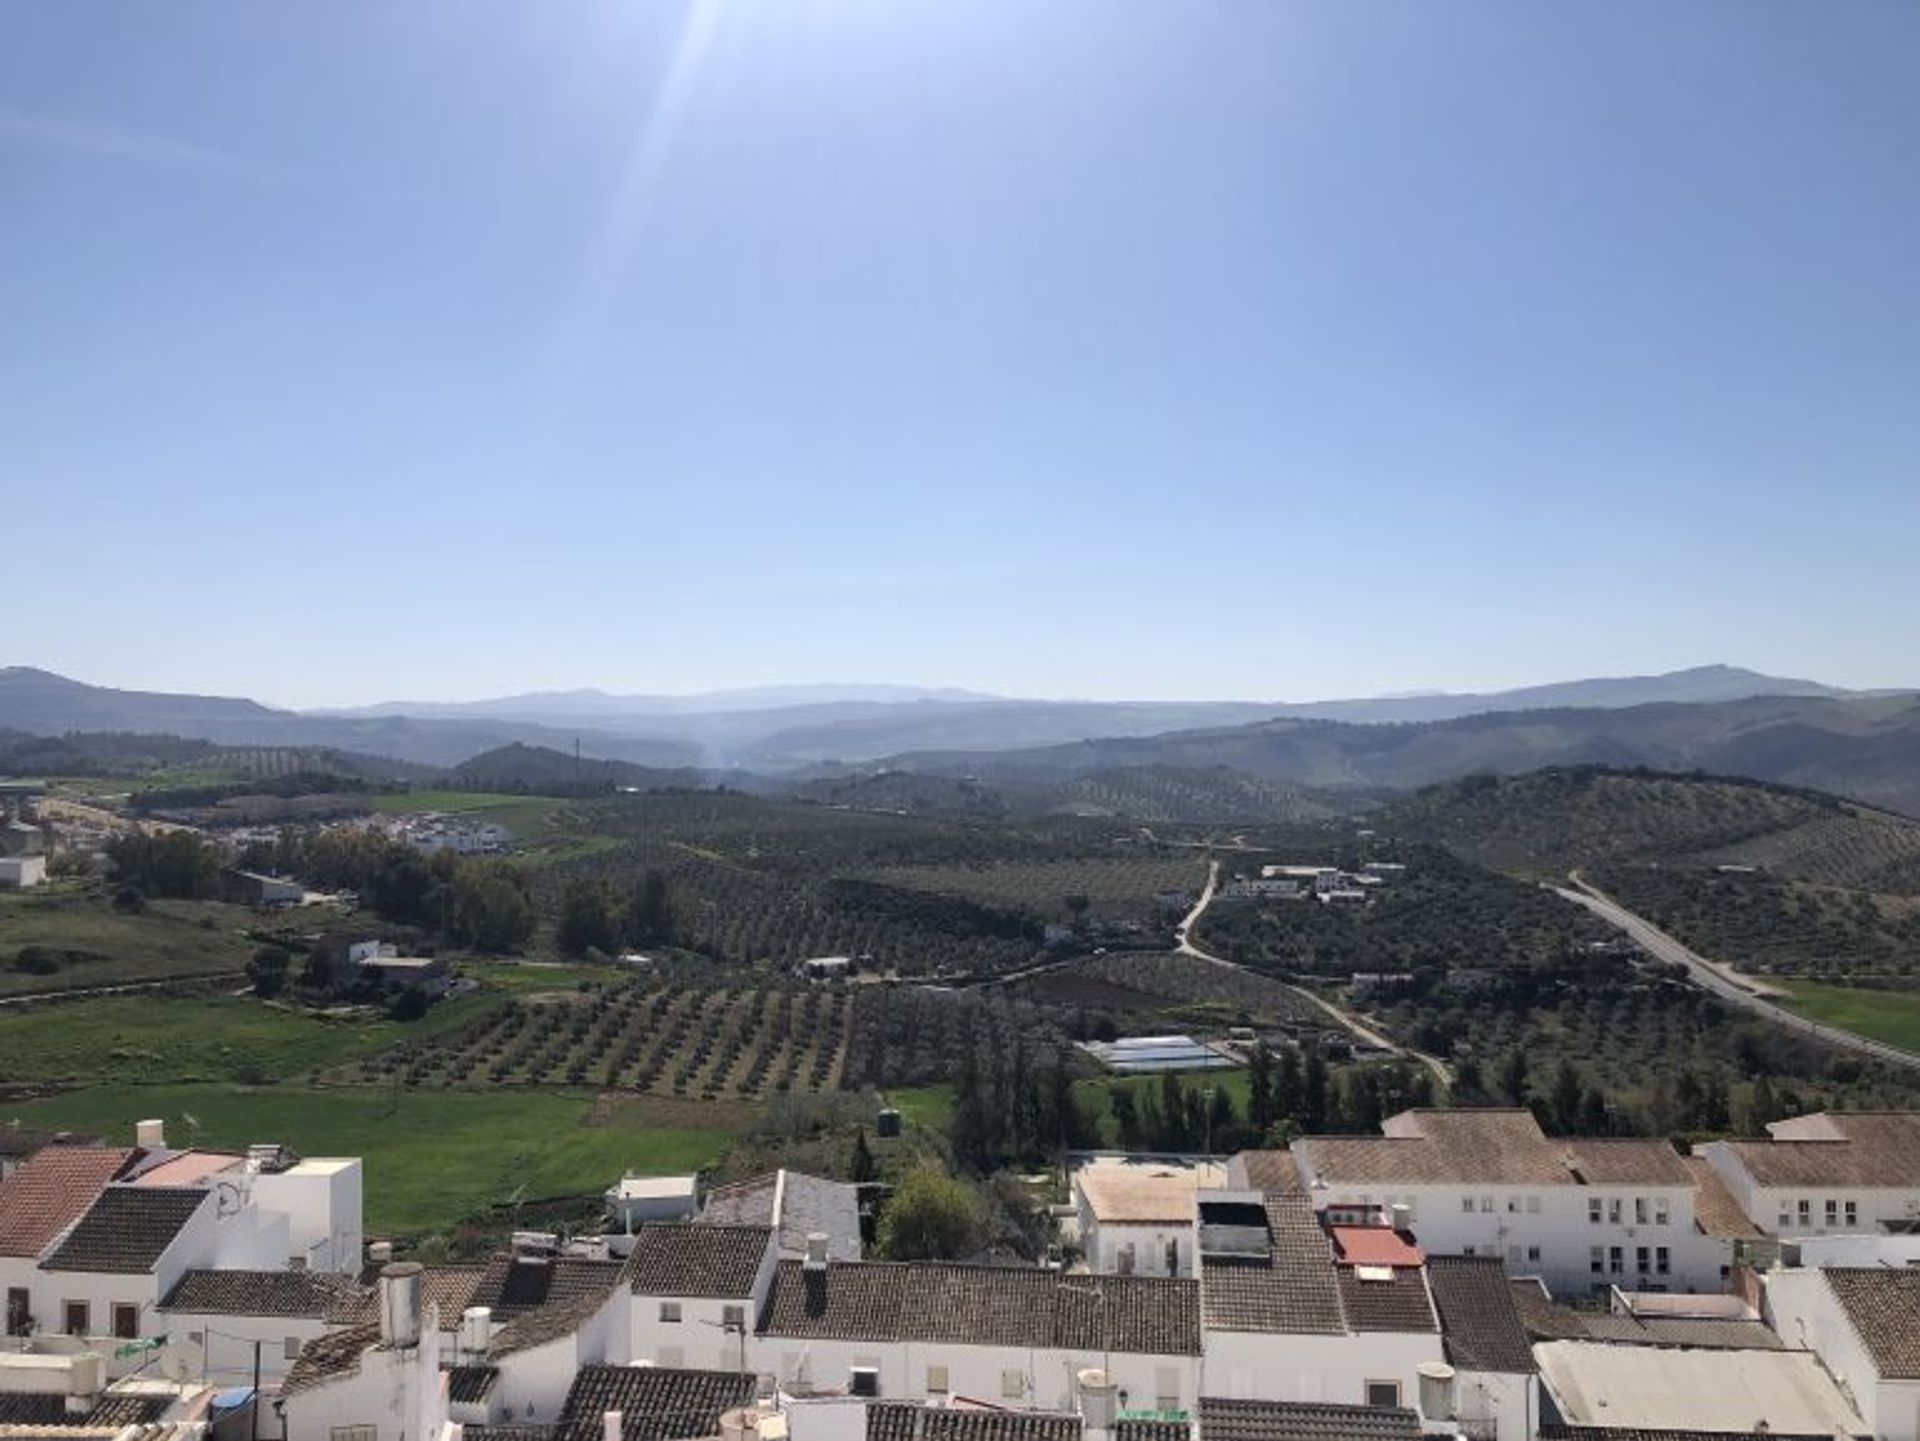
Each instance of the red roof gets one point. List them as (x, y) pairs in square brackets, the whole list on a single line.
[(1374, 1246), (49, 1193)]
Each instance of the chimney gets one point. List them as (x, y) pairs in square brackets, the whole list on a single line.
[(816, 1251), (1436, 1391), (379, 1253), (610, 1426), (476, 1331), (1097, 1399), (400, 1304), (150, 1135), (1400, 1216)]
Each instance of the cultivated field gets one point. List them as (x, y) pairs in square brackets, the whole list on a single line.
[(1116, 890)]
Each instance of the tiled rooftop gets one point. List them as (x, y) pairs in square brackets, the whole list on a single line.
[(127, 1229), (984, 1305), (314, 1294), (1478, 1320), (1222, 1420), (688, 1259), (1883, 1304), (897, 1421), (656, 1403), (49, 1192), (513, 1285)]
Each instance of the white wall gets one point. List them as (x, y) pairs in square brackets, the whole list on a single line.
[(1258, 1366), (1103, 1244), (401, 1394), (322, 1202), (1802, 1308), (223, 1354), (1511, 1401), (1547, 1231), (1777, 1210), (1046, 1376), (698, 1339)]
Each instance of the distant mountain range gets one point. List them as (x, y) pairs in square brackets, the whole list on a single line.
[(1718, 718)]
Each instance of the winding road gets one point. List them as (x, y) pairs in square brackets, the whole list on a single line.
[(1721, 979), (1183, 935)]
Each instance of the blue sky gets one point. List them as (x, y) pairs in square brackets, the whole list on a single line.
[(1174, 350)]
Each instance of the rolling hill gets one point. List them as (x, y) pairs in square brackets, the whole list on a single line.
[(1866, 747)]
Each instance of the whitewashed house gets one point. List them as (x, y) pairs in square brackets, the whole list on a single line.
[(1864, 1323), (1829, 1173)]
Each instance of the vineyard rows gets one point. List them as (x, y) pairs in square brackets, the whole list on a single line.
[(677, 1041)]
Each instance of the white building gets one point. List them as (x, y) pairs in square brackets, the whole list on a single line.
[(1601, 1387), (1827, 1173), (1136, 1213), (1864, 1323), (798, 1207), (21, 872), (1582, 1214), (633, 1200), (377, 1382)]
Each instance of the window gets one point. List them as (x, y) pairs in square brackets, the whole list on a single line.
[(936, 1380), (1533, 1205), (126, 1321), (1597, 1260), (1616, 1261), (733, 1318), (1469, 1251), (1639, 1210), (19, 1316), (670, 1312), (1513, 1205), (1853, 1215), (1173, 1255), (1466, 1204), (1786, 1220), (1383, 1393), (1642, 1262), (1833, 1211), (1613, 1211), (292, 1351), (1661, 1215), (1486, 1205), (352, 1433), (1805, 1209), (1013, 1383), (1513, 1253), (1593, 1211), (1663, 1261), (74, 1318), (1126, 1259), (1533, 1253)]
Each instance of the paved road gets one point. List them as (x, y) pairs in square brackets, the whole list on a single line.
[(1353, 1024), (1725, 983)]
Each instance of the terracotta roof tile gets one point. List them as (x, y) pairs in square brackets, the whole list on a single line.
[(325, 1357), (1715, 1211), (49, 1192)]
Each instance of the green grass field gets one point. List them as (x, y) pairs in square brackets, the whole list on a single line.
[(108, 948), (432, 1158), (527, 817), (148, 1038), (1890, 1016)]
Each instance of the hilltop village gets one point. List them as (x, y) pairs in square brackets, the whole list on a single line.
[(1460, 1273)]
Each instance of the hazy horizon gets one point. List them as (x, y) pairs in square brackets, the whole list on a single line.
[(620, 692), (456, 349)]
